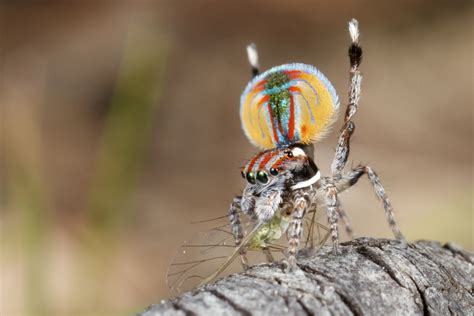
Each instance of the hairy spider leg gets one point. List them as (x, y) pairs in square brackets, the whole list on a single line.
[(295, 230), (236, 227), (332, 211), (350, 178), (246, 205), (355, 58), (343, 144)]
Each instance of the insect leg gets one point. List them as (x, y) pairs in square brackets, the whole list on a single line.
[(268, 254), (332, 211), (355, 58), (351, 178), (342, 214), (295, 230), (312, 226), (252, 55)]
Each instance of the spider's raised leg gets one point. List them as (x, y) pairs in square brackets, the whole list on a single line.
[(295, 230), (350, 178), (343, 145), (252, 55)]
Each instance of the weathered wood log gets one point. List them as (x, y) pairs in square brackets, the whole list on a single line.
[(370, 277)]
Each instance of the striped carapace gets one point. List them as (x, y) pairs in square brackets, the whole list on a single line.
[(296, 158)]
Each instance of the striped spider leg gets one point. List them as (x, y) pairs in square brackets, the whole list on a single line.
[(341, 180)]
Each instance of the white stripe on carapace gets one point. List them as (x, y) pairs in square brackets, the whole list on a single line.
[(307, 183)]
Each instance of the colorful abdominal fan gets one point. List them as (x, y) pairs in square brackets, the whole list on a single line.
[(291, 103)]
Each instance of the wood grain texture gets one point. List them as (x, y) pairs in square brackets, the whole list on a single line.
[(371, 277)]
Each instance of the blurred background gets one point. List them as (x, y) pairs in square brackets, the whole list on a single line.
[(119, 126)]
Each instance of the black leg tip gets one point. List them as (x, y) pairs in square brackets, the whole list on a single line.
[(355, 54), (255, 72)]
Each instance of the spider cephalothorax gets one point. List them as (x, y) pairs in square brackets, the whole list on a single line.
[(293, 163), (284, 111)]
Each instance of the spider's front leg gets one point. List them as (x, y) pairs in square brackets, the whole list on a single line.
[(351, 177), (244, 204), (295, 230)]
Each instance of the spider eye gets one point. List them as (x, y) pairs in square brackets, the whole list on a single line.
[(262, 177), (273, 171), (289, 154), (251, 177), (242, 174)]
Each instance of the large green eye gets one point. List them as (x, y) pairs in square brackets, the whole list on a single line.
[(251, 178), (262, 177)]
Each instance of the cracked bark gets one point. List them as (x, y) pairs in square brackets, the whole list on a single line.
[(371, 277)]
